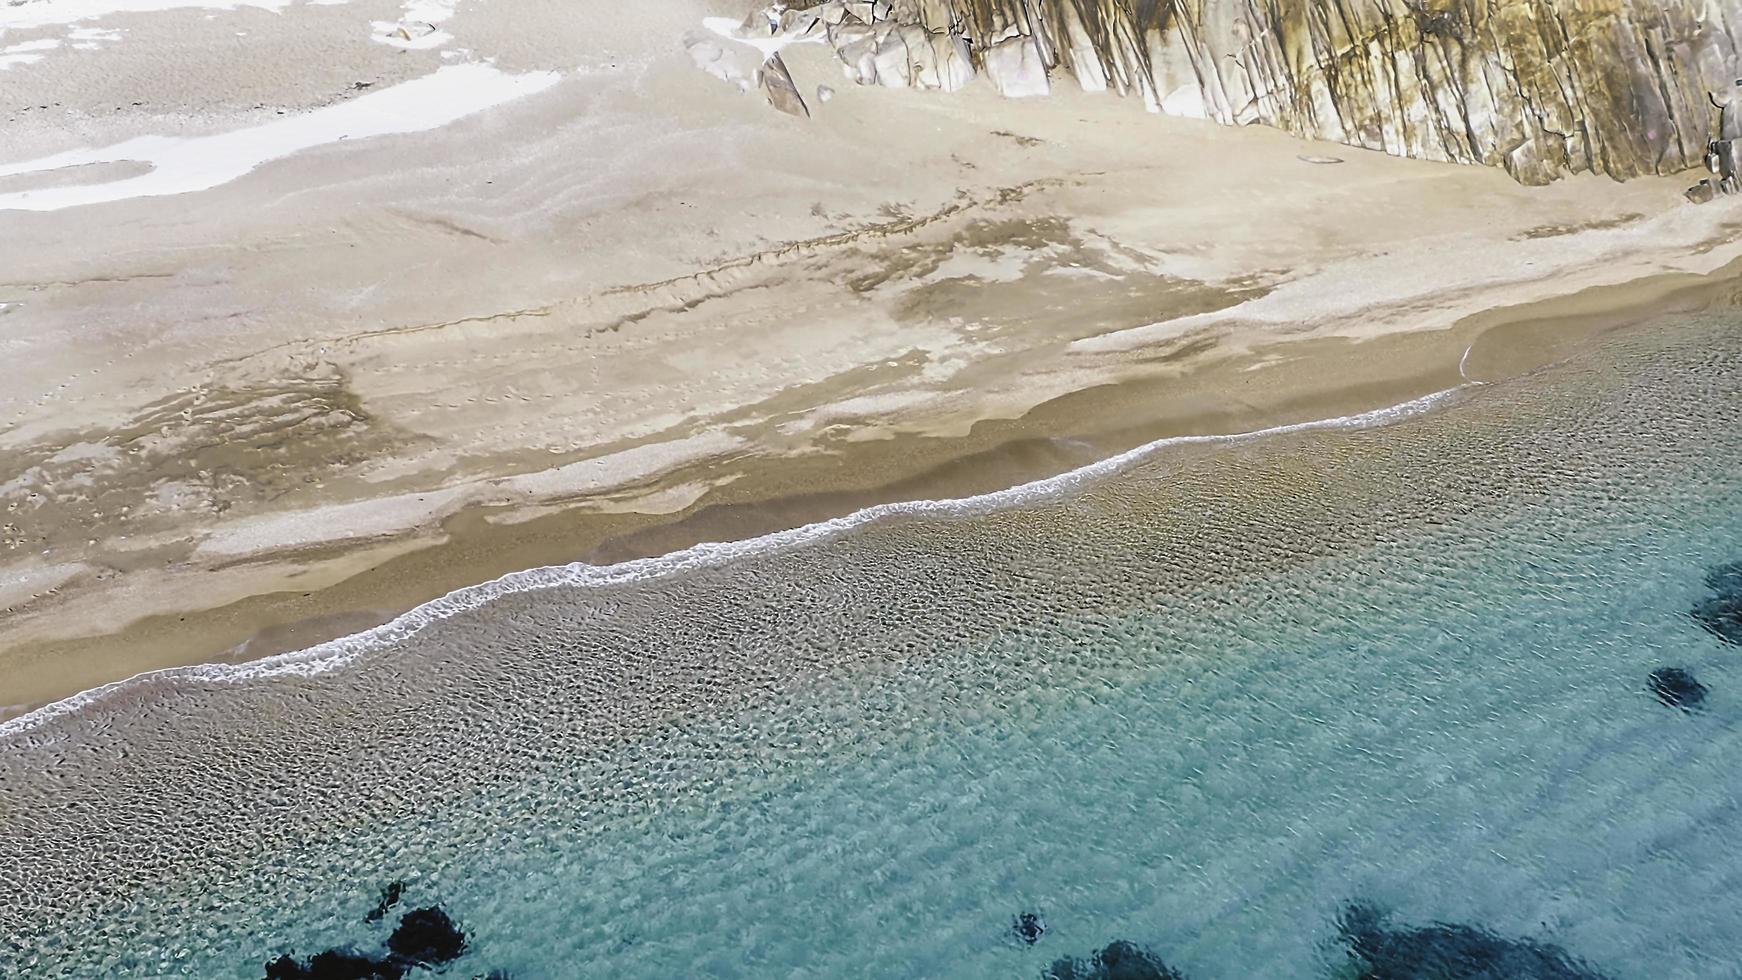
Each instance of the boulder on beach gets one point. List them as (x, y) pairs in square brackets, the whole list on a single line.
[(1016, 68), (777, 84)]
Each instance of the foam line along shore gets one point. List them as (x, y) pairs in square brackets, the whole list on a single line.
[(335, 654)]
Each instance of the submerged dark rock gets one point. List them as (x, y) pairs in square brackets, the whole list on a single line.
[(335, 964), (1121, 960), (427, 935), (1677, 688), (389, 897), (1721, 613), (1028, 927), (1444, 951)]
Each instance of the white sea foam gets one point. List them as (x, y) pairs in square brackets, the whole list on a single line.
[(180, 166), (336, 653), (1464, 365)]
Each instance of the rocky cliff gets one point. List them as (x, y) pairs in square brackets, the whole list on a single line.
[(1540, 87)]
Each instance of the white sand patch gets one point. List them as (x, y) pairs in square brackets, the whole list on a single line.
[(180, 166), (21, 583), (768, 45), (1406, 289), (867, 406), (400, 512), (324, 525), (986, 265), (91, 38), (660, 500), (84, 452), (44, 13), (1077, 272), (77, 39), (613, 469), (26, 52)]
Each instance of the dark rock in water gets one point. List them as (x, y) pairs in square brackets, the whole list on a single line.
[(1677, 688), (1721, 613), (335, 964), (1449, 952), (345, 965), (1726, 579), (424, 937), (1128, 961), (1121, 960), (389, 897), (427, 935), (1028, 927)]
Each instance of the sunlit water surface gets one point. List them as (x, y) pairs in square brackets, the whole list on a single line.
[(1203, 705)]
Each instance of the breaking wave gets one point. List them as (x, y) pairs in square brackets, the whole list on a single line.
[(337, 653)]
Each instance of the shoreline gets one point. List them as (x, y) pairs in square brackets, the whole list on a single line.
[(638, 309), (336, 653), (1038, 453)]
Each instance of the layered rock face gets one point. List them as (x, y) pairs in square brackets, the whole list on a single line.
[(1540, 87)]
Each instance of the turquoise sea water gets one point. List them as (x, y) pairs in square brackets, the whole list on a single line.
[(1203, 704)]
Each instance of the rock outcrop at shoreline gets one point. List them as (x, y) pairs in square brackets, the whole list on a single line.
[(1540, 87)]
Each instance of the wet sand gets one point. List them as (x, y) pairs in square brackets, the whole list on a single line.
[(1293, 382)]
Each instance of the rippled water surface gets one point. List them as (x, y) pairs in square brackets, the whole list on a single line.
[(1258, 707)]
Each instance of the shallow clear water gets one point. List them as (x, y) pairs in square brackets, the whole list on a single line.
[(1202, 705)]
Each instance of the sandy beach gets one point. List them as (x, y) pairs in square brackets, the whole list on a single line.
[(388, 311)]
